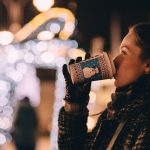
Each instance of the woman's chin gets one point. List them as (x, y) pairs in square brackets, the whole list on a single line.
[(118, 84)]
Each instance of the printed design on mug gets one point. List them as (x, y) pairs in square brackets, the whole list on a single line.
[(91, 69), (78, 72), (104, 67), (89, 72), (97, 68)]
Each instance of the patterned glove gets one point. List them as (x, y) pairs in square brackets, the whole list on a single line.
[(76, 93)]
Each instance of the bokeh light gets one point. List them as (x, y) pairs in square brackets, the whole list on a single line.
[(6, 37), (2, 139), (45, 35), (55, 27), (43, 5)]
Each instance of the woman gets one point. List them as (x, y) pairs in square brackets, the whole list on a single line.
[(125, 122)]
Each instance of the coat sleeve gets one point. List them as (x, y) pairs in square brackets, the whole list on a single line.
[(72, 130)]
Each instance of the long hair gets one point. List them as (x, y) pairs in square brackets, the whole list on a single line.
[(142, 33)]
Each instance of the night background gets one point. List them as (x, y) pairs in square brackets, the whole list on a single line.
[(94, 17)]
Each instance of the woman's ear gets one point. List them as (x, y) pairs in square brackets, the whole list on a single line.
[(147, 67)]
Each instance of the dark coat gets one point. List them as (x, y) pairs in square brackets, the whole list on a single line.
[(133, 106)]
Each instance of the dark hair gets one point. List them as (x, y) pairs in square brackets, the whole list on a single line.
[(142, 32)]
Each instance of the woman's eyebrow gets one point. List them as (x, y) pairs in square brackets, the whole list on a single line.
[(124, 46)]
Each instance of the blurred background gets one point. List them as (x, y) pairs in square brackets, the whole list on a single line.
[(36, 38)]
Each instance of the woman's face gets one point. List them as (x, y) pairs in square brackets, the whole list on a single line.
[(129, 66)]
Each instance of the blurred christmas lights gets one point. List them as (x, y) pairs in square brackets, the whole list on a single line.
[(43, 5), (17, 60)]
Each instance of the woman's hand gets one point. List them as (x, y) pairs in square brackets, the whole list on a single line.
[(76, 93)]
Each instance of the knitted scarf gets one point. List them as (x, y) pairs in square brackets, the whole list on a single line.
[(129, 99)]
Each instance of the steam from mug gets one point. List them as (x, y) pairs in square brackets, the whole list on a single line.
[(97, 68)]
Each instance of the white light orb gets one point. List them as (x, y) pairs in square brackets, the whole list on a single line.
[(3, 101), (21, 67), (2, 139), (7, 110), (47, 57), (6, 37), (29, 57), (5, 122), (45, 35), (54, 27), (41, 46), (43, 5)]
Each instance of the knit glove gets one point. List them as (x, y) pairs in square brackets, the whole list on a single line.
[(76, 93)]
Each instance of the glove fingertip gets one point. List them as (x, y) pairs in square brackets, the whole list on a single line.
[(64, 66), (66, 72), (72, 61), (87, 55), (64, 69)]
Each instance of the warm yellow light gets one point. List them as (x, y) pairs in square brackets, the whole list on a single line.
[(6, 37), (69, 27), (63, 35), (40, 19), (74, 53), (43, 5), (92, 97), (45, 35), (67, 31)]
